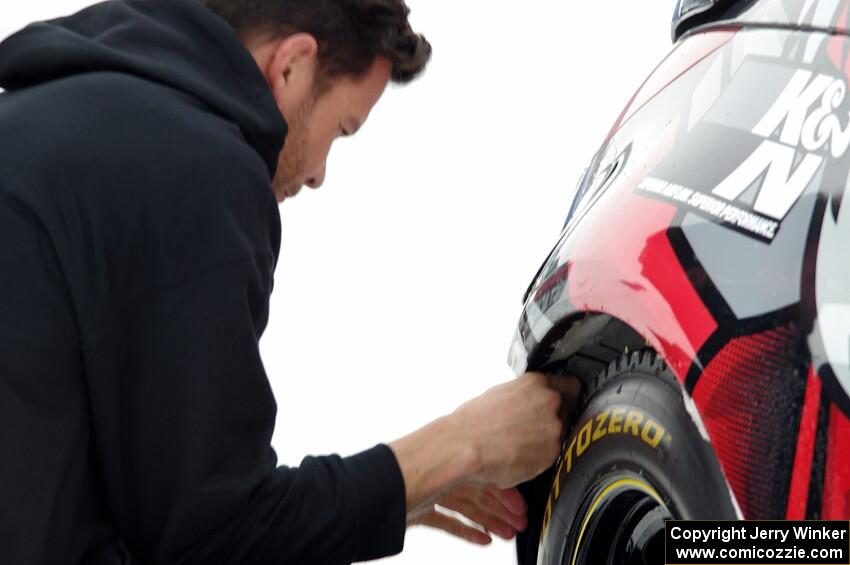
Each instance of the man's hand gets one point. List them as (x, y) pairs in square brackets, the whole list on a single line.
[(508, 435), (515, 428), (500, 511)]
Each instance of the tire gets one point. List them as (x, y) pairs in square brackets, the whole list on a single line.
[(633, 458)]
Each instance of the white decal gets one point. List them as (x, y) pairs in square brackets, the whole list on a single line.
[(706, 204), (829, 342), (792, 107), (824, 125), (800, 129), (781, 187), (834, 323)]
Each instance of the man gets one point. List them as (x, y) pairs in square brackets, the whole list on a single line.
[(142, 161)]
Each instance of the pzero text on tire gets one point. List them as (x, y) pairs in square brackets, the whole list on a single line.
[(633, 458)]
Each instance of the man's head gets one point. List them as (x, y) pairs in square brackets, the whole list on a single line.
[(327, 63)]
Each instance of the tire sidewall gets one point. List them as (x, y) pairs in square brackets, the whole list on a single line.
[(634, 423)]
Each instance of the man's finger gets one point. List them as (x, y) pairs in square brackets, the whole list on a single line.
[(513, 500), (491, 504), (570, 389), (472, 510), (506, 504), (454, 527), (567, 385), (414, 515)]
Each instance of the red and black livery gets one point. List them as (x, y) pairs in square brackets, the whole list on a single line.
[(706, 249)]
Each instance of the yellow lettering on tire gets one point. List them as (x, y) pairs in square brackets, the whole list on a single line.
[(600, 425), (570, 456), (584, 437), (652, 433), (616, 420), (615, 423), (633, 421)]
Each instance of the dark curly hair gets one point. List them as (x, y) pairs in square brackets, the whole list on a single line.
[(350, 33)]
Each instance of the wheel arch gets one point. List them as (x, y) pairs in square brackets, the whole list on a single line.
[(583, 344)]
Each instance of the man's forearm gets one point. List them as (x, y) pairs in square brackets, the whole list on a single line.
[(434, 459)]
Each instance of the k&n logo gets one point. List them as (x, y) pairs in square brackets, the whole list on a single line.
[(817, 132)]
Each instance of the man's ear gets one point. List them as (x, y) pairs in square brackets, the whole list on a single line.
[(292, 70)]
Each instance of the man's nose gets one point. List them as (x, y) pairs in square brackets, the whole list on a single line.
[(316, 180)]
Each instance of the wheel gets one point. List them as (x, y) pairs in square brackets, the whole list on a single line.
[(633, 458)]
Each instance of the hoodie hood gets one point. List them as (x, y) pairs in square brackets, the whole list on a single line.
[(178, 43)]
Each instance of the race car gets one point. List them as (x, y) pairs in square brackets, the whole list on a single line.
[(700, 292)]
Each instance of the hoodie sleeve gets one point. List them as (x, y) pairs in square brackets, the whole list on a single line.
[(190, 474)]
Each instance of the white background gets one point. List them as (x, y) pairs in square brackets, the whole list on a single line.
[(399, 283)]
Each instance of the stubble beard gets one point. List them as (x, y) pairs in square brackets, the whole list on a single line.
[(288, 179)]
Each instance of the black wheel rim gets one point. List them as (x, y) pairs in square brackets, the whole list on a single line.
[(622, 524)]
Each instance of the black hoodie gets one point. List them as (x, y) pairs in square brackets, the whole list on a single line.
[(138, 239)]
